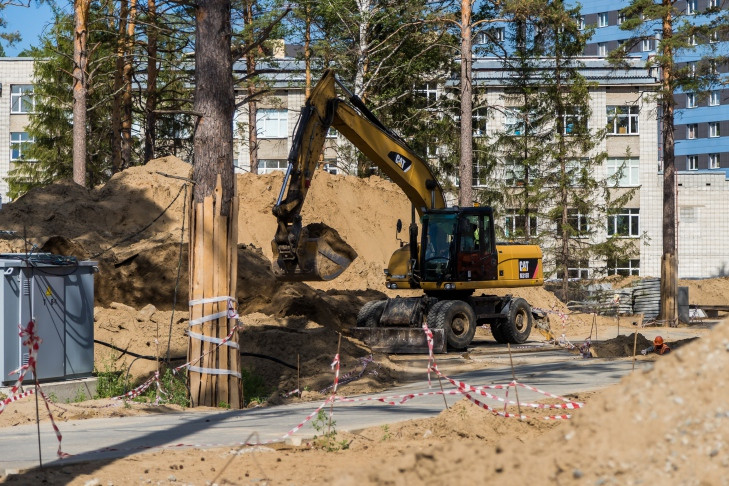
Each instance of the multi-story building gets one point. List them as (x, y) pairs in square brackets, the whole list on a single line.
[(16, 104), (702, 140)]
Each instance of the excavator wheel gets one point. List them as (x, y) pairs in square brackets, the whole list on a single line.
[(369, 315), (518, 326), (497, 332), (458, 320)]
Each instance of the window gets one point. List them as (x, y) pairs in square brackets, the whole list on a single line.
[(625, 268), (692, 162), (573, 121), (499, 34), (602, 19), (623, 172), (581, 23), (479, 173), (578, 222), (714, 130), (22, 99), (713, 3), (691, 6), (622, 120), (578, 269), (515, 224), (480, 119), (690, 100), (691, 67), (575, 169), (514, 173), (647, 45), (712, 67), (330, 165), (692, 40), (714, 161), (266, 166), (427, 95), (714, 98), (272, 123), (691, 131), (514, 121), (602, 49), (714, 37), (621, 18), (19, 145), (624, 222), (481, 38), (331, 132)]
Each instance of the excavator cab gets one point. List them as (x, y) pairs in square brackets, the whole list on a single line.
[(458, 245)]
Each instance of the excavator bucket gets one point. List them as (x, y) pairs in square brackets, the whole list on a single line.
[(320, 255)]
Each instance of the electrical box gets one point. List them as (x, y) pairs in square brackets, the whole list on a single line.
[(57, 292)]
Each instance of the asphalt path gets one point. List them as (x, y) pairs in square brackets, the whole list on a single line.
[(105, 439)]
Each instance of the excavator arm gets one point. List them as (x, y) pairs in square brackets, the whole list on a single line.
[(316, 252)]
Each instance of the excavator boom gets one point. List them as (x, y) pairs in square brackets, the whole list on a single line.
[(316, 252)]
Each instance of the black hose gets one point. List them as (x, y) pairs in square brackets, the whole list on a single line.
[(177, 358)]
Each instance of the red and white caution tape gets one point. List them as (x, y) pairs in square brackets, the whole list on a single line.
[(140, 389), (32, 341)]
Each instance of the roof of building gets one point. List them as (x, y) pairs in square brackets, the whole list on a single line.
[(491, 72)]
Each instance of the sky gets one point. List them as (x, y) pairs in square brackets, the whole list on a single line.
[(28, 21)]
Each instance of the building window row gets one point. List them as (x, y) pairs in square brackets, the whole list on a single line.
[(692, 130), (272, 123), (624, 222), (713, 161), (714, 99)]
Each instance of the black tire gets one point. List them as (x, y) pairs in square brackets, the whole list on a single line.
[(519, 322), (433, 313), (458, 320), (369, 315), (497, 332)]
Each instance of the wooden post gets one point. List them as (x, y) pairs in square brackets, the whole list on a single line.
[(213, 275)]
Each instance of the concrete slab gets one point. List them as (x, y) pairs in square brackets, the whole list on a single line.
[(64, 391)]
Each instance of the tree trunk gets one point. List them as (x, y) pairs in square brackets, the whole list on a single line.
[(252, 104), (465, 166), (215, 372), (307, 48), (80, 88), (117, 111), (126, 101), (151, 102), (669, 261)]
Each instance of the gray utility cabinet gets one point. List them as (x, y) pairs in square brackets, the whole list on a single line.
[(58, 294)]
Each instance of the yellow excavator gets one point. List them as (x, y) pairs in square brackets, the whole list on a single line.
[(453, 256)]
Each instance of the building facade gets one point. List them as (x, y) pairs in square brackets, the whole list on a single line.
[(702, 142), (16, 104)]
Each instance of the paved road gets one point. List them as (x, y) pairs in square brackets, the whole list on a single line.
[(104, 439)]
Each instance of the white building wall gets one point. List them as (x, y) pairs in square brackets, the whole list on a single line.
[(13, 70), (651, 190)]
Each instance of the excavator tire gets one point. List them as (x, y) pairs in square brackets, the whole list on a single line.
[(369, 315), (518, 326), (458, 320), (433, 313), (497, 332)]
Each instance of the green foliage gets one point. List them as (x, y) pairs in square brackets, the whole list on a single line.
[(255, 389), (327, 438), (174, 388), (386, 433), (110, 381), (80, 396)]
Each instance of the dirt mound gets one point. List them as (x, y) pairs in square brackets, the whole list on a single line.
[(666, 425)]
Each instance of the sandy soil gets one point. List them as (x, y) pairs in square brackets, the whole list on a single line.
[(133, 227)]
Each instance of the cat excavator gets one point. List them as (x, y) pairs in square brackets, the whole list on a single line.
[(451, 253)]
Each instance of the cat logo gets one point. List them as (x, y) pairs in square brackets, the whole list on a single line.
[(403, 162), (524, 269)]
